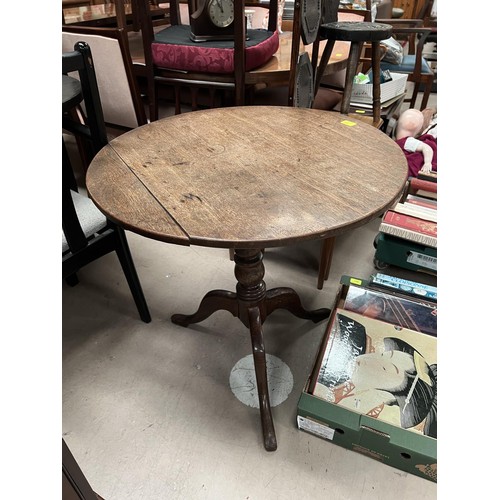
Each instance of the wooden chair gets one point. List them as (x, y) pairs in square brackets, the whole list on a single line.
[(172, 59), (119, 90), (87, 234), (314, 26), (413, 33)]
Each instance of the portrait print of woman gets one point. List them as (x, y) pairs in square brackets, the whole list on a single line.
[(368, 368)]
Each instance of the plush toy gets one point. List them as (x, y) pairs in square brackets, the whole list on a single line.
[(420, 150)]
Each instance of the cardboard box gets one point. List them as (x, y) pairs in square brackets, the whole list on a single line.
[(363, 92), (360, 411)]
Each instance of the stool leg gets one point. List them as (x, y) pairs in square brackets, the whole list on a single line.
[(352, 65), (376, 81), (325, 57)]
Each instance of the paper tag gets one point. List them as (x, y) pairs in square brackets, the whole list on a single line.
[(348, 123), (423, 260), (320, 430)]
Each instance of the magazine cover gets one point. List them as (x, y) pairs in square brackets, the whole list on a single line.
[(380, 370), (393, 309)]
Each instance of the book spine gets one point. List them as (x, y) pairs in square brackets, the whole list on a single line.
[(393, 281), (427, 194), (421, 202), (430, 176), (423, 184), (420, 208), (407, 234), (416, 211), (410, 222)]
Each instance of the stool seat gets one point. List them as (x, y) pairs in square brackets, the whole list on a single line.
[(355, 31)]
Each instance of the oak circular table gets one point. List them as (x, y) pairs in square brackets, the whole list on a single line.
[(247, 178)]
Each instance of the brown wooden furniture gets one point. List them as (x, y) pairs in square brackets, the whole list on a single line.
[(414, 64), (274, 73), (116, 13), (212, 66), (248, 177), (414, 9)]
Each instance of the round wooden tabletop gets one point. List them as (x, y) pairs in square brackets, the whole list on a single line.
[(247, 177)]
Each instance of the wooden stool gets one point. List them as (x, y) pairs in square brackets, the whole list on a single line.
[(357, 33)]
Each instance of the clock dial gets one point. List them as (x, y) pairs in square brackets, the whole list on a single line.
[(221, 12)]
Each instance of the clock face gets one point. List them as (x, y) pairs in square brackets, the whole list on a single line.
[(221, 12)]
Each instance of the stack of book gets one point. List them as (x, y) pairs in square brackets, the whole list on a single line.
[(415, 217)]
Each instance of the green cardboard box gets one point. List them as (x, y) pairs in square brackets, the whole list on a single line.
[(349, 400)]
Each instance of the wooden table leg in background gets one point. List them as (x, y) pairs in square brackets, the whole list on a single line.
[(252, 303)]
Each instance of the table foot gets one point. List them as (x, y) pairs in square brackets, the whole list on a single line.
[(252, 304), (259, 357), (213, 301), (288, 298)]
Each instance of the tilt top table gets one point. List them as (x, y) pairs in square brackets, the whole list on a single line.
[(247, 178)]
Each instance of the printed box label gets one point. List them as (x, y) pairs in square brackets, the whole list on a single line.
[(320, 430), (423, 260)]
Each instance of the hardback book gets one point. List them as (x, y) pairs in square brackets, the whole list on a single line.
[(423, 184), (428, 176), (420, 201), (410, 222), (416, 211), (384, 371), (427, 194), (413, 314), (407, 234), (410, 228)]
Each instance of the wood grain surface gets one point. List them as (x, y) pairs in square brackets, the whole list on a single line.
[(247, 177)]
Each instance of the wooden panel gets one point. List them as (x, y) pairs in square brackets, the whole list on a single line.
[(409, 6)]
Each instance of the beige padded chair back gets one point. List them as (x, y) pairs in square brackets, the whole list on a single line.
[(114, 89)]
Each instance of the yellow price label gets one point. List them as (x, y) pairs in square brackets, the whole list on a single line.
[(355, 281), (348, 123)]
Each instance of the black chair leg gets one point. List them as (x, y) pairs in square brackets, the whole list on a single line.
[(125, 257), (72, 280)]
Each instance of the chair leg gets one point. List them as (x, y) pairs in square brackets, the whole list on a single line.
[(329, 263), (153, 99), (376, 82), (325, 261), (72, 280), (125, 257), (415, 94), (427, 93)]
